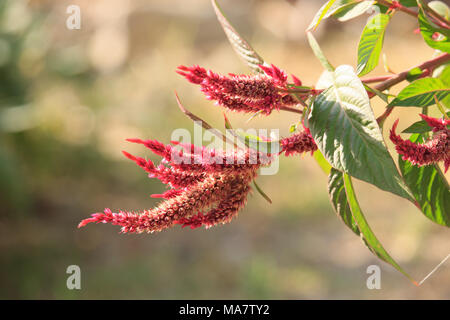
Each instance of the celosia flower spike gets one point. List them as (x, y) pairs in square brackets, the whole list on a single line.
[(219, 189), (298, 143), (243, 93), (434, 150)]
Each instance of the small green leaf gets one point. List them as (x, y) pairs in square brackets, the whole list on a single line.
[(383, 96), (293, 128), (240, 45), (418, 127), (352, 10), (369, 237), (420, 93), (429, 186), (318, 52), (371, 42), (414, 74), (324, 12), (346, 132), (261, 192)]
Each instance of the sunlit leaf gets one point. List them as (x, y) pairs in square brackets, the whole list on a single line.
[(420, 93), (322, 162), (352, 10), (325, 11), (346, 132), (371, 42)]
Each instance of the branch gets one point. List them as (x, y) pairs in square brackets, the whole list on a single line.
[(398, 6), (395, 79)]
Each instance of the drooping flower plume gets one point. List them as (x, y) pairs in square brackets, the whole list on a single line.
[(434, 150), (244, 93), (208, 187)]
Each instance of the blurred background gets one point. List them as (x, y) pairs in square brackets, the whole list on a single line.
[(70, 98)]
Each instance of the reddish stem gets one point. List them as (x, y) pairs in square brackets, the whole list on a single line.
[(399, 7), (430, 65), (376, 79)]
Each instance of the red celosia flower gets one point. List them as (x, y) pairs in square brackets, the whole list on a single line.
[(208, 187), (298, 143), (436, 149), (243, 93)]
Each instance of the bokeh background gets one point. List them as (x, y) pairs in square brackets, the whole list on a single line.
[(70, 98)]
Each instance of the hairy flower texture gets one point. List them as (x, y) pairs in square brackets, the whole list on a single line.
[(204, 193), (243, 93), (298, 143), (434, 150)]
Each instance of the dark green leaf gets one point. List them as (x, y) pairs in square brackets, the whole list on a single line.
[(367, 233), (429, 186), (346, 132), (420, 93), (418, 127), (338, 198), (371, 42)]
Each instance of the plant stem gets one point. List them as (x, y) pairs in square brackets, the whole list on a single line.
[(289, 109), (400, 7), (430, 64), (376, 79)]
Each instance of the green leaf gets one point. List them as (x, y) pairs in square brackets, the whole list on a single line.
[(418, 127), (369, 237), (346, 132), (262, 193), (322, 162), (371, 42), (240, 45), (414, 74), (343, 10), (338, 197), (318, 52), (383, 96), (352, 10), (324, 12), (427, 29), (420, 93), (429, 186)]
